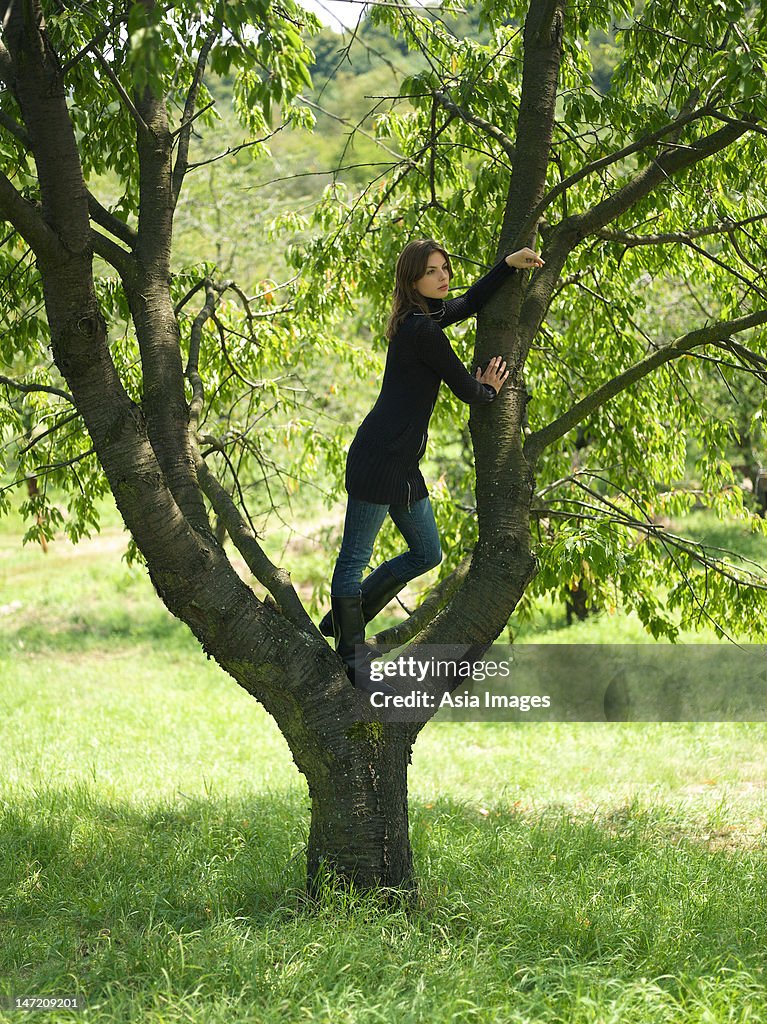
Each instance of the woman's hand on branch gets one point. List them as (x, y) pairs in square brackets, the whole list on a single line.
[(495, 373), (524, 259)]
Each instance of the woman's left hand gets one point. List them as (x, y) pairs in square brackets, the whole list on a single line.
[(494, 374), (524, 259)]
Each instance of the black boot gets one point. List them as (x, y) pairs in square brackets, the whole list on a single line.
[(350, 643), (380, 587)]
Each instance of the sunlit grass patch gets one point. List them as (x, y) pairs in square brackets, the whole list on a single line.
[(153, 829)]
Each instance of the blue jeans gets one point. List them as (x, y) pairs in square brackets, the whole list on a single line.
[(363, 521)]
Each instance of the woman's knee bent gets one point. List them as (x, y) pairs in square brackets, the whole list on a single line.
[(431, 557)]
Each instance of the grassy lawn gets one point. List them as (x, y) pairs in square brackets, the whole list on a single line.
[(153, 827)]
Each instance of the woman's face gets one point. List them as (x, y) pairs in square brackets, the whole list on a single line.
[(434, 282)]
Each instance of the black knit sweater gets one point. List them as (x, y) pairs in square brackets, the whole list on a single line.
[(382, 462)]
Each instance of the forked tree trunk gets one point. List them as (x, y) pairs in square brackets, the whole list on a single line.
[(356, 771)]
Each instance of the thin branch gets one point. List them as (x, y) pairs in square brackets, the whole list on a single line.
[(435, 600), (712, 334), (695, 549), (95, 41), (193, 118), (235, 370), (721, 227), (332, 173), (724, 227), (185, 130), (348, 123), (192, 372), (275, 579), (232, 150), (127, 101), (489, 129), (747, 125), (345, 54), (757, 364), (27, 388), (51, 430), (45, 469), (730, 269), (398, 72)]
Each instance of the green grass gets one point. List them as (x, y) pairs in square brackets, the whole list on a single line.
[(153, 829)]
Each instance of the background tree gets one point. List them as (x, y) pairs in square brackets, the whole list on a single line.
[(508, 138)]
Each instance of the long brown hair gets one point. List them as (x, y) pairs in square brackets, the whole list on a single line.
[(411, 266)]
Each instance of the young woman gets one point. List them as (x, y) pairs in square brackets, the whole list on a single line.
[(382, 475)]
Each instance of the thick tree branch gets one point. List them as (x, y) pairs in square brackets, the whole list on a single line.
[(275, 579), (606, 161), (570, 232), (110, 222), (543, 34), (15, 129), (28, 221), (39, 91), (164, 399), (712, 334), (113, 254), (658, 170), (98, 213)]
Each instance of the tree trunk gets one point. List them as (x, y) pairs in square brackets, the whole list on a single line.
[(359, 824)]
